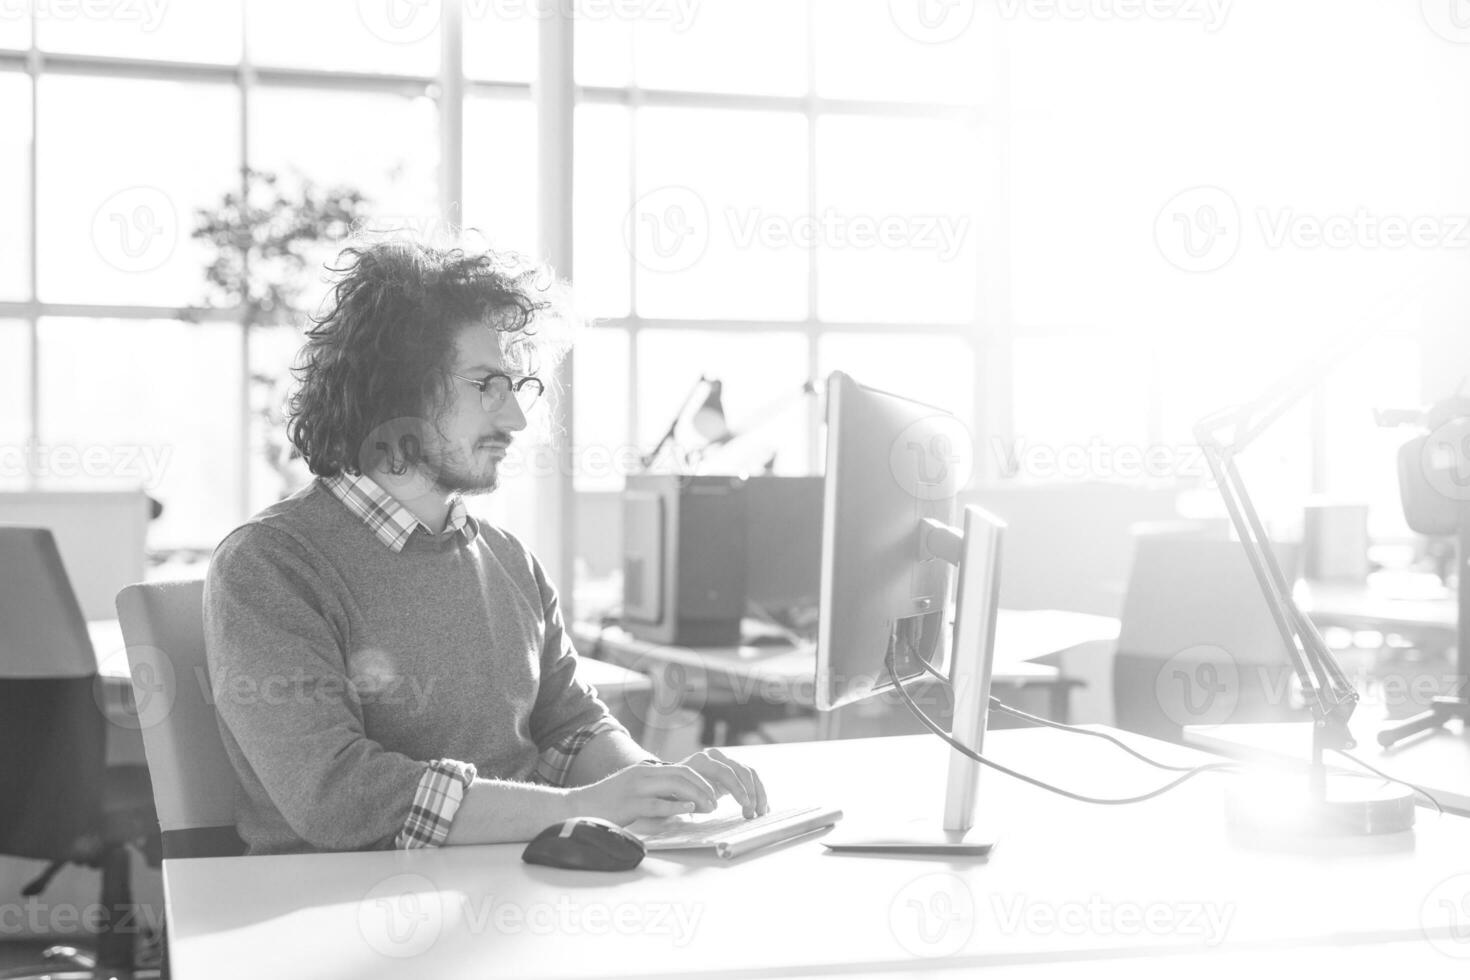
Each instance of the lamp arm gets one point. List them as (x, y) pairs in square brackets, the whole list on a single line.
[(668, 435), (767, 412), (1330, 696)]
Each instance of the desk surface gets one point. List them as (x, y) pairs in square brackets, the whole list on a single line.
[(1438, 761), (1068, 882)]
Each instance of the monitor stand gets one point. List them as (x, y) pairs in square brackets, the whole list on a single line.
[(977, 595)]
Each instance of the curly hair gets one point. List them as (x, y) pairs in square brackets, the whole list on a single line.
[(384, 345)]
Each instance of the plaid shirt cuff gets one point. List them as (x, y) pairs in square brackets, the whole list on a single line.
[(555, 763), (435, 802)]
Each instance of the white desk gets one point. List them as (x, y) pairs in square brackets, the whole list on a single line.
[(1439, 761), (1068, 884)]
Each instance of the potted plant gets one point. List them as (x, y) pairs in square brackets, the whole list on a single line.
[(265, 244)]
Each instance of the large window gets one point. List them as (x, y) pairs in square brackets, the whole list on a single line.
[(123, 122), (762, 191), (764, 220)]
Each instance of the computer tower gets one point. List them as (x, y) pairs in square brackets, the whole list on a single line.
[(684, 558)]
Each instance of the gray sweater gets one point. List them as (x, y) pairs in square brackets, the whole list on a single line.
[(340, 668)]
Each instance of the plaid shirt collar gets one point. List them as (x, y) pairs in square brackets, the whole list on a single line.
[(392, 522)]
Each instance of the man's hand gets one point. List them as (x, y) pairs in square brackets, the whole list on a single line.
[(643, 791), (729, 776)]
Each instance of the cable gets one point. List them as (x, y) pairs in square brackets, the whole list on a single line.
[(1383, 775), (997, 705), (965, 750)]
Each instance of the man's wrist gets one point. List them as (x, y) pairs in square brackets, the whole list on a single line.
[(567, 805)]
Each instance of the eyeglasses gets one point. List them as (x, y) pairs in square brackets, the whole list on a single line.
[(495, 387)]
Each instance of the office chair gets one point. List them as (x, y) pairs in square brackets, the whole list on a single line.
[(74, 809), (1197, 644), (193, 781)]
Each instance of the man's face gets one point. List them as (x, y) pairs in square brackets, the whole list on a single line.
[(471, 442)]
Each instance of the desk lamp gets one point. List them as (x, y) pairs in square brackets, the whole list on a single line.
[(1335, 802), (708, 419)]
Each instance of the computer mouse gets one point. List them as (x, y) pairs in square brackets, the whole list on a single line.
[(585, 844)]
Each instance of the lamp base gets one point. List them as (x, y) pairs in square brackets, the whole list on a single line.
[(1282, 807)]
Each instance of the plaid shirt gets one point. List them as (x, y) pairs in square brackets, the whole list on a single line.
[(441, 790), (392, 522)]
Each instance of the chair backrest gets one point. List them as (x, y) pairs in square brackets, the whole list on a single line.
[(1197, 644), (42, 632), (53, 734), (193, 781), (100, 535), (1069, 545)]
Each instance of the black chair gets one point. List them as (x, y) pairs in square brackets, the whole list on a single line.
[(64, 804)]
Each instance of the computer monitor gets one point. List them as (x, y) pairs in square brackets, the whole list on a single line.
[(890, 553)]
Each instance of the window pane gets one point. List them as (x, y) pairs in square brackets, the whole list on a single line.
[(15, 28), (762, 378), (897, 204), (385, 146), (716, 227), (708, 47), (1210, 372), (500, 176), (119, 232), (1080, 410), (603, 453), (165, 30), (928, 368), (602, 181), (150, 404), (1362, 457), (604, 45), (350, 35), (879, 49), (15, 400), (15, 182), (500, 40)]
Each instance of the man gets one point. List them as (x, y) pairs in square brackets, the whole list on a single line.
[(389, 671)]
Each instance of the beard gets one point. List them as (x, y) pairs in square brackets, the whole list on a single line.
[(464, 475)]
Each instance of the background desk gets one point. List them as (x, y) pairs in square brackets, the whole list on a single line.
[(689, 679), (1069, 884), (1363, 606)]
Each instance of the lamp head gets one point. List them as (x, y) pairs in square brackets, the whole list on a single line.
[(709, 417)]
